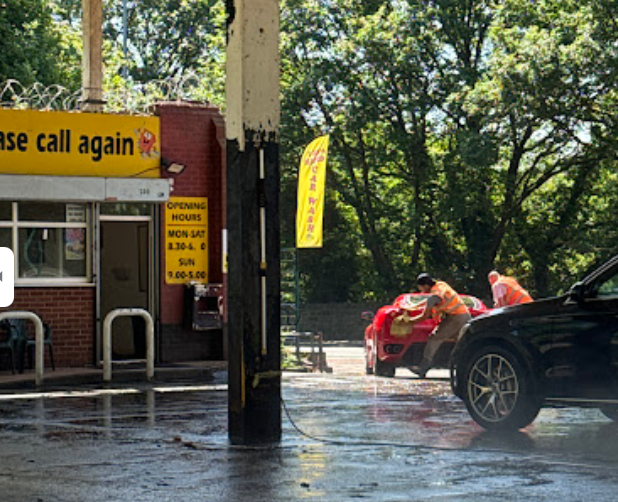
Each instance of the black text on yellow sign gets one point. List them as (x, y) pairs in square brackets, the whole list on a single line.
[(186, 240), (79, 144)]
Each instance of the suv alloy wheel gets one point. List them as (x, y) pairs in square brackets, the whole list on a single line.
[(497, 391)]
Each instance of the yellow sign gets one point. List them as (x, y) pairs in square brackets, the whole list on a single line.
[(311, 181), (79, 144), (186, 240)]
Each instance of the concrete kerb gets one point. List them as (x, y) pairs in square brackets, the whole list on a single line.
[(75, 378)]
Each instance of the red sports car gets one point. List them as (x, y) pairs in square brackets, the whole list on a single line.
[(386, 350)]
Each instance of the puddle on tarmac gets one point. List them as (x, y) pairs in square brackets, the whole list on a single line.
[(347, 409)]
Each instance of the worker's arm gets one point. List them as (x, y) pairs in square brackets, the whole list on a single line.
[(430, 303), (499, 292)]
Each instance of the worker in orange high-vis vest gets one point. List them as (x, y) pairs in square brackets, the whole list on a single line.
[(443, 302), (507, 291)]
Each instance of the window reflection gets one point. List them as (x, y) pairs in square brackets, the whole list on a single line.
[(52, 252)]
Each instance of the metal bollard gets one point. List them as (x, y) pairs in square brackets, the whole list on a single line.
[(107, 340), (39, 359)]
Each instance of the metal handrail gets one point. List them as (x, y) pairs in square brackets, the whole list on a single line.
[(315, 339), (39, 359), (107, 340)]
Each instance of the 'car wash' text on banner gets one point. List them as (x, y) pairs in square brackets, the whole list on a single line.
[(79, 144), (311, 181)]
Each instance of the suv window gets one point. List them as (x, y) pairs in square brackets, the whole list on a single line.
[(609, 287)]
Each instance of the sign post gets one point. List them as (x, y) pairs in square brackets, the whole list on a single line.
[(92, 60), (252, 129)]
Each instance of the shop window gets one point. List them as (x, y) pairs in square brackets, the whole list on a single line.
[(52, 252), (6, 225), (6, 238), (41, 211), (125, 209), (50, 240), (6, 211)]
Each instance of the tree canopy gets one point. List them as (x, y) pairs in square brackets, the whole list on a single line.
[(34, 46), (466, 135), (165, 40)]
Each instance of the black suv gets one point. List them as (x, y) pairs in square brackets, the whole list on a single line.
[(557, 351)]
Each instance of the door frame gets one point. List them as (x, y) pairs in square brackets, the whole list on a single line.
[(153, 247)]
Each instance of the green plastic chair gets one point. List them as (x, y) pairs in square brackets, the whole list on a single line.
[(11, 343), (47, 342), (25, 345)]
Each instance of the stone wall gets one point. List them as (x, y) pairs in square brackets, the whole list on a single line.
[(338, 321)]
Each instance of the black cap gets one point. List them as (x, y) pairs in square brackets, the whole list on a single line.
[(425, 279)]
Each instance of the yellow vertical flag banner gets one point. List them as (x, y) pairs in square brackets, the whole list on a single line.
[(311, 181)]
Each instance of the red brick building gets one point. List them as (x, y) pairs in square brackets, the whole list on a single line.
[(193, 136), (90, 240)]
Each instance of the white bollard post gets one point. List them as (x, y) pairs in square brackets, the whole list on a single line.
[(150, 345), (107, 340)]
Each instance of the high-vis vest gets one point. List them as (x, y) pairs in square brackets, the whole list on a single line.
[(450, 302), (515, 294)]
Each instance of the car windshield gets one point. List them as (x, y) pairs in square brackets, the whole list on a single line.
[(410, 300), (470, 302)]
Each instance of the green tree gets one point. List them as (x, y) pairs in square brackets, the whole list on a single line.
[(169, 38), (34, 47), (544, 108), (465, 134), (376, 114), (383, 82), (166, 40)]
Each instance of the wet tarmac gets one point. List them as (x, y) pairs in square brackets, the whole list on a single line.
[(385, 439)]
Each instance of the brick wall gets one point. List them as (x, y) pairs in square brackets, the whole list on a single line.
[(192, 135), (179, 344), (70, 312), (338, 321)]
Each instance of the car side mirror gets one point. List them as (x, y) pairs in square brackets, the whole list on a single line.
[(368, 316), (576, 293)]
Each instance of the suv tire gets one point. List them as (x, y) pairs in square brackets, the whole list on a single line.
[(498, 390)]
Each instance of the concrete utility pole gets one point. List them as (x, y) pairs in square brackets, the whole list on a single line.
[(92, 59), (252, 129)]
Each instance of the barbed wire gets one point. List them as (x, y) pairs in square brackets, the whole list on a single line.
[(138, 98)]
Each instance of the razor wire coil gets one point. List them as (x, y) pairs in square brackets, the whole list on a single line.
[(137, 98)]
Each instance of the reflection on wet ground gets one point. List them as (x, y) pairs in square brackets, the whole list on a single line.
[(427, 414), (140, 411), (396, 439)]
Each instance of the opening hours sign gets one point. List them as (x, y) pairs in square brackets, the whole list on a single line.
[(186, 240)]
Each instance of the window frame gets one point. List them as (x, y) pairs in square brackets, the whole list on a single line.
[(15, 225), (602, 282)]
